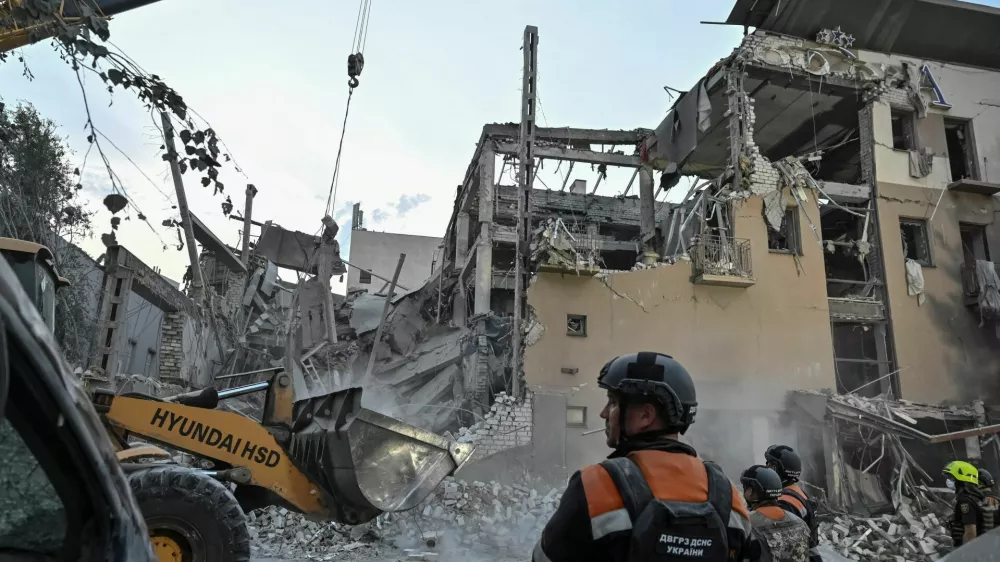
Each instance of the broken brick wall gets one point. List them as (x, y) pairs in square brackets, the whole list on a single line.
[(507, 425), (171, 354)]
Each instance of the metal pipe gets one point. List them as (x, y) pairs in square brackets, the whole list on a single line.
[(241, 390), (234, 375), (385, 313)]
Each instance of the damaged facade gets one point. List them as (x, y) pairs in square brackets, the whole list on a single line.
[(374, 255), (836, 235)]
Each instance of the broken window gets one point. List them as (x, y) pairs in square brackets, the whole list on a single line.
[(576, 325), (786, 239), (916, 246), (974, 245), (365, 277), (903, 127), (856, 358), (961, 155), (576, 416), (847, 273)]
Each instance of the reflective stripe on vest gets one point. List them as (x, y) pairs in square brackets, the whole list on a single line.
[(803, 512), (671, 476)]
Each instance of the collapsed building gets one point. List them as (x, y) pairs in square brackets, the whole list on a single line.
[(836, 233), (826, 267)]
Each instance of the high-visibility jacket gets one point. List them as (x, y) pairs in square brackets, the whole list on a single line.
[(592, 523), (782, 536)]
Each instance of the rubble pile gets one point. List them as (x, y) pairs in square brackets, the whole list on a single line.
[(461, 516), (277, 532), (457, 520), (900, 537)]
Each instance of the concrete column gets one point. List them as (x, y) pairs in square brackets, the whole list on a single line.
[(484, 270), (647, 216), (461, 238), (484, 252)]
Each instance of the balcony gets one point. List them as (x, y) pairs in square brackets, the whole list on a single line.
[(721, 261), (971, 285), (974, 186)]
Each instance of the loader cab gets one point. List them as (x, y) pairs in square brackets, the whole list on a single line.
[(35, 268), (62, 494)]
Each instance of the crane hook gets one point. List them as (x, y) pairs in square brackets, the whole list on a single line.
[(355, 63)]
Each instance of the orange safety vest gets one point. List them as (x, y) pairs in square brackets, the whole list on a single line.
[(803, 512), (677, 477)]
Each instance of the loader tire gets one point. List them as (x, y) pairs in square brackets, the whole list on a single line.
[(191, 516)]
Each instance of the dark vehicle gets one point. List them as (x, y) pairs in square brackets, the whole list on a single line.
[(63, 495)]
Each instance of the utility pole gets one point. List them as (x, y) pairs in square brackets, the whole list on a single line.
[(197, 285), (247, 223), (526, 174)]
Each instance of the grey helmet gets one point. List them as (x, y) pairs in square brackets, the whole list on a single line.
[(653, 377)]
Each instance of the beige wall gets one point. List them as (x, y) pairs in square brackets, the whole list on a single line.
[(943, 352), (744, 347), (973, 93)]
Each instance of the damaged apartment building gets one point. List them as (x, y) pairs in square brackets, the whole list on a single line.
[(840, 169)]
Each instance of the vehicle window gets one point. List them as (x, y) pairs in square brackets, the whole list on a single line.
[(32, 515)]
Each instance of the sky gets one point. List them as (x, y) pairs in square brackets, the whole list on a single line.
[(270, 78)]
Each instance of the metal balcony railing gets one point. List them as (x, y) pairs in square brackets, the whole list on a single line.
[(714, 255)]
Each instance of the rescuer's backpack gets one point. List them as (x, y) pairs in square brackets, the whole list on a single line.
[(990, 506), (673, 530), (810, 518)]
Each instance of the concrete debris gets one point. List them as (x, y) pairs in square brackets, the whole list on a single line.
[(477, 517), (903, 537), (485, 518), (277, 532)]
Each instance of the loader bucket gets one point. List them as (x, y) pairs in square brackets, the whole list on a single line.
[(367, 463)]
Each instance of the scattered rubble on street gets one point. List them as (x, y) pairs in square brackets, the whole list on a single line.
[(912, 534), (460, 521)]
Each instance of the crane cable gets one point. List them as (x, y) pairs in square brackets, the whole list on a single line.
[(355, 63)]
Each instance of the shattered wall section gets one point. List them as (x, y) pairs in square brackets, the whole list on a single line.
[(507, 425)]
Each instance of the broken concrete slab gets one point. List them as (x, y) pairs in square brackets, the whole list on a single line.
[(210, 242), (430, 356), (293, 250), (366, 312)]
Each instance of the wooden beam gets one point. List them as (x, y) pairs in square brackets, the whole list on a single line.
[(574, 155)]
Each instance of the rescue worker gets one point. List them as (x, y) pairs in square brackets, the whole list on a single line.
[(610, 512), (991, 502), (967, 518), (786, 462), (778, 536)]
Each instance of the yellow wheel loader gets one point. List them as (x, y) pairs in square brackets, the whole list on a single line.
[(324, 456)]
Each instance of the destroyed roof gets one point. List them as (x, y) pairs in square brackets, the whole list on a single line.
[(944, 30)]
